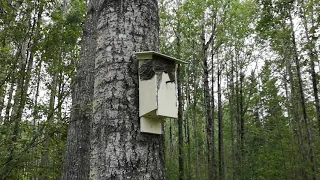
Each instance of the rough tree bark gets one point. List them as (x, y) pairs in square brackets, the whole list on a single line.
[(107, 80), (76, 159), (118, 149)]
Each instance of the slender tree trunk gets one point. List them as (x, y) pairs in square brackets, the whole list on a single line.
[(212, 105), (238, 99), (313, 57), (60, 94), (294, 109), (35, 115), (2, 96), (180, 125), (207, 99), (180, 108), (232, 118), (170, 140), (302, 101), (189, 148), (289, 111), (50, 116), (195, 122), (20, 99), (188, 99), (241, 111), (118, 149), (220, 126), (9, 103)]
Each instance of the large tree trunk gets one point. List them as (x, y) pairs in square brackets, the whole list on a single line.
[(118, 149)]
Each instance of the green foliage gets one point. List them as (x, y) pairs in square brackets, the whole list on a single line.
[(252, 42), (39, 45)]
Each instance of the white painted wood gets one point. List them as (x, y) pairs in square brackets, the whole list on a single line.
[(150, 125), (167, 98), (147, 96), (156, 104)]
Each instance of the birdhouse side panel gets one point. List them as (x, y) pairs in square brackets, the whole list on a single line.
[(147, 96)]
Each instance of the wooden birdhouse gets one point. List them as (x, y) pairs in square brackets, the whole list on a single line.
[(157, 90)]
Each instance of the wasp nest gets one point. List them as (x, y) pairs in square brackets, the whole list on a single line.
[(157, 66)]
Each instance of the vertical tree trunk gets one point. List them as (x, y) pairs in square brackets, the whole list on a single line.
[(20, 99), (291, 123), (207, 100), (187, 131), (295, 114), (2, 96), (195, 122), (220, 124), (35, 115), (180, 107), (211, 165), (302, 101), (118, 149), (313, 57), (241, 113), (180, 125), (238, 114), (212, 106), (9, 103), (232, 119), (50, 116), (170, 140), (76, 165)]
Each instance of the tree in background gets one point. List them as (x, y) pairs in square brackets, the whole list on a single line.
[(39, 48)]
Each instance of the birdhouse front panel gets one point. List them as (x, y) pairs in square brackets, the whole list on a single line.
[(151, 125), (167, 97)]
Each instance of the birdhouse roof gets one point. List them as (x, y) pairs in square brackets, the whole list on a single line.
[(151, 54)]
